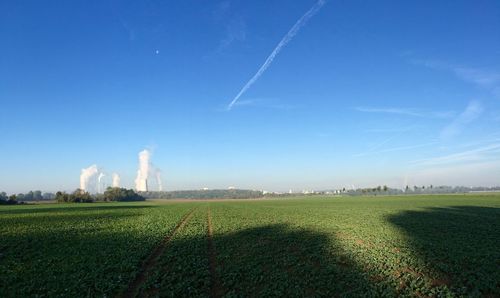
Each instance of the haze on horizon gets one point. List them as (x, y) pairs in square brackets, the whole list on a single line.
[(272, 95)]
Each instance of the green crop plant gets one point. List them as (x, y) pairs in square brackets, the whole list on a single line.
[(393, 246)]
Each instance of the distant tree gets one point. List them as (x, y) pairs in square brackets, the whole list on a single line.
[(48, 196), (80, 196), (385, 188), (62, 197), (12, 199), (8, 200), (121, 194), (204, 194), (3, 198), (379, 188), (28, 196), (37, 195)]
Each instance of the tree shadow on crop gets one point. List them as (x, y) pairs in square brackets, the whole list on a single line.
[(272, 260), (64, 218), (456, 252), (277, 260), (71, 254), (78, 207), (458, 247)]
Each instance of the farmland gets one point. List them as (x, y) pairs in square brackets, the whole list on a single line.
[(446, 245)]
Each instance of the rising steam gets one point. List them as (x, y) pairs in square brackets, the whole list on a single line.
[(101, 184), (88, 179), (146, 170), (158, 179), (116, 180), (141, 182)]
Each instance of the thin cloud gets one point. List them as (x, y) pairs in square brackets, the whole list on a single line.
[(478, 154), (373, 148), (481, 77), (221, 10), (399, 111), (234, 25), (478, 76), (394, 149), (473, 110), (130, 31), (406, 112), (490, 138), (235, 32), (480, 173), (386, 130), (284, 41)]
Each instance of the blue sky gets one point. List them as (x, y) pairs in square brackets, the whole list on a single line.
[(365, 93)]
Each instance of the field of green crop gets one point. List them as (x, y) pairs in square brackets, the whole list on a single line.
[(427, 246)]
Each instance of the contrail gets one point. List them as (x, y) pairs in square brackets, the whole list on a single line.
[(286, 39)]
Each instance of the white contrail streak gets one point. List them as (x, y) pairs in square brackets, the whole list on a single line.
[(286, 39)]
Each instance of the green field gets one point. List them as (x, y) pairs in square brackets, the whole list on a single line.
[(446, 246)]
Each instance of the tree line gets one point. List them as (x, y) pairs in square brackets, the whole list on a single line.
[(35, 195), (8, 200), (112, 194), (204, 194)]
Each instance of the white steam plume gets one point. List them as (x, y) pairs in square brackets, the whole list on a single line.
[(141, 182), (146, 171), (87, 177), (284, 41), (100, 183), (116, 180), (158, 179)]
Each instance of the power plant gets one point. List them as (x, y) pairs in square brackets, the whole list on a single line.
[(94, 180)]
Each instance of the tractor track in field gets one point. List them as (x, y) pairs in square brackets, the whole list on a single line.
[(216, 289), (152, 259)]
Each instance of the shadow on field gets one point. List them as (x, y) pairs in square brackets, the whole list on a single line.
[(64, 208), (455, 249), (459, 246), (277, 260), (272, 260), (62, 218), (56, 255), (59, 222)]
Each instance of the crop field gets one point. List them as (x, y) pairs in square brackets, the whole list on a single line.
[(425, 246)]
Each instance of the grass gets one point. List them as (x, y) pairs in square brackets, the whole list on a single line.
[(436, 245)]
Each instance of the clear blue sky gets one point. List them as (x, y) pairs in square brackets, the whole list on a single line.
[(366, 93)]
